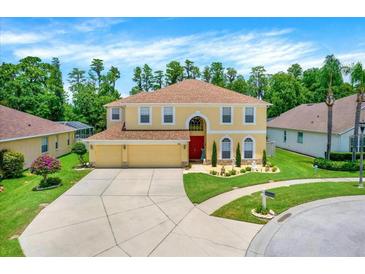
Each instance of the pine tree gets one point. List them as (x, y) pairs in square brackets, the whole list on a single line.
[(238, 156), (214, 155), (264, 160)]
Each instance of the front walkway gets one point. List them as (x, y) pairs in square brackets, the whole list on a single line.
[(132, 212), (214, 203)]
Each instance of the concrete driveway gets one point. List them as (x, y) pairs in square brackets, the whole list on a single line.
[(132, 212), (329, 227)]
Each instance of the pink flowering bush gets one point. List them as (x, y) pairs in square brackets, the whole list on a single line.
[(45, 165)]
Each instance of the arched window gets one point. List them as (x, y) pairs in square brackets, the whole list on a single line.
[(226, 148), (196, 124), (248, 147)]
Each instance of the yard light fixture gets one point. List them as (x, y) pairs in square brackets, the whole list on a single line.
[(362, 127)]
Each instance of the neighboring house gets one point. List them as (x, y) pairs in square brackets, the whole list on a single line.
[(83, 131), (304, 128), (32, 135), (172, 126)]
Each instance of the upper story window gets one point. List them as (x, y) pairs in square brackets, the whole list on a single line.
[(115, 114), (226, 148), (44, 145), (250, 115), (284, 136), (300, 138), (196, 124), (226, 115), (168, 115), (145, 115)]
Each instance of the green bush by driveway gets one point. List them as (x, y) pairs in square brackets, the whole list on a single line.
[(200, 187), (19, 204)]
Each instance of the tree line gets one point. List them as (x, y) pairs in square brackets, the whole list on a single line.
[(37, 87)]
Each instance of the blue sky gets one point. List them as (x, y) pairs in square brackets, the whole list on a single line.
[(237, 42)]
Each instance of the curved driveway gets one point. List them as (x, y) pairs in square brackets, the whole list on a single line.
[(132, 212), (330, 227)]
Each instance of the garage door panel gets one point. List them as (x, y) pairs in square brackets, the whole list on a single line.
[(108, 155), (154, 156)]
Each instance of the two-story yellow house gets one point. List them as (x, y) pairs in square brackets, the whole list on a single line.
[(177, 124)]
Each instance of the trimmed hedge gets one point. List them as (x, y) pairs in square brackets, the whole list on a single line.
[(12, 164), (336, 165), (343, 156)]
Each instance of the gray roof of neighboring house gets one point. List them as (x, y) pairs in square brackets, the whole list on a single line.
[(313, 117), (75, 124), (15, 124)]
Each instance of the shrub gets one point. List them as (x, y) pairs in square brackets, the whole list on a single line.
[(213, 172), (274, 169), (248, 168), (2, 152), (238, 155), (261, 210), (79, 148), (343, 156), (269, 164), (45, 165), (336, 165), (214, 155), (12, 164), (228, 174), (267, 168), (264, 160), (233, 172), (52, 181), (242, 170)]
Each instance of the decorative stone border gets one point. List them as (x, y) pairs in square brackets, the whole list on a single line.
[(262, 216)]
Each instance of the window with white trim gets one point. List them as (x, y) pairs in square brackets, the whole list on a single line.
[(144, 115), (115, 114), (226, 115), (249, 115), (248, 148), (168, 115), (300, 138), (44, 145), (226, 148)]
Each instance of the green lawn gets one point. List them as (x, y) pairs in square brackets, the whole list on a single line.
[(286, 197), (200, 187), (19, 204)]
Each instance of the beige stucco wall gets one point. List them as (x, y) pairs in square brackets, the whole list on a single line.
[(31, 147)]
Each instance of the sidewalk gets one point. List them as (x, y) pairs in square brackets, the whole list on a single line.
[(212, 204)]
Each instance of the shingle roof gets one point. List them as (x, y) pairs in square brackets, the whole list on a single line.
[(313, 117), (116, 133), (15, 124), (189, 91)]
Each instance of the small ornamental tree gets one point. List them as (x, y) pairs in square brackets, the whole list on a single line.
[(264, 160), (45, 165), (214, 155), (79, 148), (238, 155)]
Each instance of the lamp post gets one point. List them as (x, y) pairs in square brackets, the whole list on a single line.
[(362, 127)]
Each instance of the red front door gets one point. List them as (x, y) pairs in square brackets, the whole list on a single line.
[(195, 147)]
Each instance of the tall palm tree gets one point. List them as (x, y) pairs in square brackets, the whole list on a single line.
[(331, 72), (357, 74)]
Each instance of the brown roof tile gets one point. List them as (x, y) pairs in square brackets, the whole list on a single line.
[(189, 91), (15, 124), (116, 133), (313, 117)]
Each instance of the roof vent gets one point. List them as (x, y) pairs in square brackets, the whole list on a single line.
[(29, 125)]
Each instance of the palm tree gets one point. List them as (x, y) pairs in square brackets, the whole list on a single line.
[(357, 74), (331, 73)]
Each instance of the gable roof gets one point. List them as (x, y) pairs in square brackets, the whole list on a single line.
[(15, 124), (189, 91), (313, 117)]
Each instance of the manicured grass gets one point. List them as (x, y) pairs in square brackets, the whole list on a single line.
[(286, 197), (200, 187), (19, 204)]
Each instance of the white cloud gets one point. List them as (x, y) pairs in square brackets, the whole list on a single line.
[(97, 23), (8, 37)]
